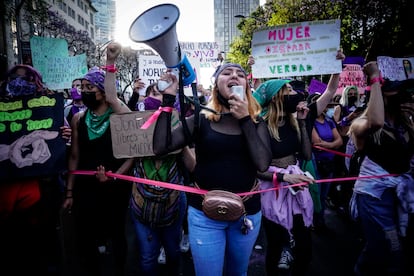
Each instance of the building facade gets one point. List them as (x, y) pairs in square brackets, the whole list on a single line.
[(225, 22), (18, 25)]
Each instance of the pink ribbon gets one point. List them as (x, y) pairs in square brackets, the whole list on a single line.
[(333, 151), (203, 192), (155, 116)]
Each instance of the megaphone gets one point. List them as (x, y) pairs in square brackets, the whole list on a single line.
[(156, 28)]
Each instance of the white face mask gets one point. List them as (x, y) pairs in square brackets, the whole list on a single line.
[(329, 112)]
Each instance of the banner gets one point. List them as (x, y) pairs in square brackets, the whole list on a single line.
[(30, 137), (297, 49), (128, 139), (396, 68)]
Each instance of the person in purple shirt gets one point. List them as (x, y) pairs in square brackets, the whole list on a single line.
[(325, 135)]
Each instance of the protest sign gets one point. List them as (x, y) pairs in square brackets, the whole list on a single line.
[(51, 58), (151, 68), (396, 68), (316, 86), (128, 139), (30, 138), (352, 75), (205, 52), (297, 49), (61, 71)]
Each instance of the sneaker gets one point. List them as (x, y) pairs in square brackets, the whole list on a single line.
[(161, 257), (286, 259), (184, 243)]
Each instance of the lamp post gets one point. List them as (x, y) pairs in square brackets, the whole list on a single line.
[(254, 17)]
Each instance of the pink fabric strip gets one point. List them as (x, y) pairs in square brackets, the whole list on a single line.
[(155, 116), (203, 192), (333, 151)]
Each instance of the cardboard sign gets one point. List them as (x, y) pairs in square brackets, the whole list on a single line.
[(128, 139), (30, 138), (297, 49)]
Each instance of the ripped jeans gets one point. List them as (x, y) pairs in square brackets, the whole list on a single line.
[(382, 254), (214, 243)]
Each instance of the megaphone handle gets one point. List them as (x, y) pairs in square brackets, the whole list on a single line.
[(187, 132)]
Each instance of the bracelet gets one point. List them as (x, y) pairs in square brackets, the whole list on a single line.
[(109, 68), (66, 197), (68, 190), (375, 80)]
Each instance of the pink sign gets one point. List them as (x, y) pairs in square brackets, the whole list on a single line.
[(351, 75)]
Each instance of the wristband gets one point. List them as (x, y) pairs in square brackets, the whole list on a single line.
[(110, 68), (375, 80)]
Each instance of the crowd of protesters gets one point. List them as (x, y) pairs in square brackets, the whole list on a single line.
[(273, 136)]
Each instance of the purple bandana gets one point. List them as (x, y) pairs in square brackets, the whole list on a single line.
[(96, 77)]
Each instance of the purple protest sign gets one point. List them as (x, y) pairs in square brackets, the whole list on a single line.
[(316, 86)]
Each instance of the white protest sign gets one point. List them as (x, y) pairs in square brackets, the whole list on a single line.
[(205, 52), (151, 68), (396, 68), (297, 49)]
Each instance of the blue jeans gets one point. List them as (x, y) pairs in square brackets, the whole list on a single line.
[(150, 240), (214, 243), (382, 254)]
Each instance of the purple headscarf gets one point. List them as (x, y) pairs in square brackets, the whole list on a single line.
[(96, 77)]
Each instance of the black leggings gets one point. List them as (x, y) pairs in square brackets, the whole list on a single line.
[(278, 237)]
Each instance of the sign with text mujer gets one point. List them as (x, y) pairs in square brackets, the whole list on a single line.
[(30, 138), (297, 49)]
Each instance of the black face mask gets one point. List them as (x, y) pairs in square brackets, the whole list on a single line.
[(89, 100), (352, 100), (290, 102)]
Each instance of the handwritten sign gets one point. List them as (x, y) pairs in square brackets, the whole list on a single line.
[(396, 68), (352, 75), (51, 57), (128, 139), (62, 70), (30, 139), (205, 53), (297, 49), (151, 68)]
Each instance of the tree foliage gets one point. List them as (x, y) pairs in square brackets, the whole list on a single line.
[(369, 28)]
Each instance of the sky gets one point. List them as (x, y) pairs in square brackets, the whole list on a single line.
[(195, 24)]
